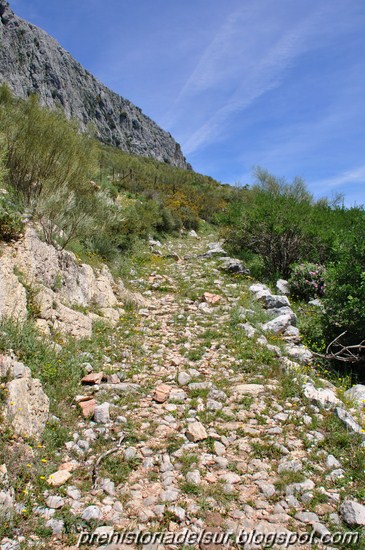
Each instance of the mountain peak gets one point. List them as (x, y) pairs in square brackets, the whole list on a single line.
[(31, 61)]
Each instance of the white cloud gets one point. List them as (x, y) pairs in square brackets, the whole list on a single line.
[(248, 56), (349, 177)]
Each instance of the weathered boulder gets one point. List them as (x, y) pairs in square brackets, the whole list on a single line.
[(249, 389), (211, 298), (258, 287), (13, 299), (233, 265), (60, 285), (356, 394), (321, 396), (292, 334), (283, 287), (161, 393), (74, 283), (101, 413), (196, 432), (26, 405), (286, 310), (60, 317), (214, 249), (272, 301), (299, 353), (59, 478), (352, 513), (277, 325), (260, 291), (87, 406)]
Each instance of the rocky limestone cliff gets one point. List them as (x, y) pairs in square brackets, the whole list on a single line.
[(31, 61), (65, 295)]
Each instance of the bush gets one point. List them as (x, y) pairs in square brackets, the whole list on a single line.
[(49, 168), (45, 151), (344, 300), (49, 165), (307, 281), (10, 219), (280, 222), (11, 225)]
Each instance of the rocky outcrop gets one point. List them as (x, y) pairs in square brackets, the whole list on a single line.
[(65, 295), (31, 61), (26, 406), (7, 495), (13, 300)]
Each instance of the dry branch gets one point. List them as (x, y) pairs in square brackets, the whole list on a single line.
[(101, 458), (340, 352)]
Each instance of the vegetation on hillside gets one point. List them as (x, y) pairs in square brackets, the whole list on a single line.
[(281, 231), (77, 189), (102, 202)]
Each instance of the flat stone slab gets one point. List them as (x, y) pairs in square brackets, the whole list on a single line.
[(59, 478), (196, 432), (211, 298), (92, 378), (123, 387), (249, 389), (323, 397)]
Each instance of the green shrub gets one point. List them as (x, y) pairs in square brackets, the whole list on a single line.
[(279, 222), (307, 281), (10, 219), (344, 300), (11, 225), (49, 165), (343, 311), (45, 151)]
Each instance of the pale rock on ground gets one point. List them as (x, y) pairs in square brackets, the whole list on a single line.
[(26, 407), (219, 446)]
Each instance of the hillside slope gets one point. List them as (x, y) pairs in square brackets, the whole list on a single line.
[(189, 419), (31, 61)]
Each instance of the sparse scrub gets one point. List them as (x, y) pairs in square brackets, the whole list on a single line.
[(307, 281)]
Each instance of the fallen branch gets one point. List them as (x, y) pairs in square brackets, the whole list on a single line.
[(115, 449), (346, 354)]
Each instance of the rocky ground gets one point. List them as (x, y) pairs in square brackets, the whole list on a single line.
[(196, 417)]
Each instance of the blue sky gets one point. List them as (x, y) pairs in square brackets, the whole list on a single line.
[(238, 83)]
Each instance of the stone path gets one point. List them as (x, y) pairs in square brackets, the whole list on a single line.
[(213, 432)]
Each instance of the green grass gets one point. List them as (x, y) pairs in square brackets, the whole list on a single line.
[(174, 442), (187, 461), (118, 469), (264, 450), (190, 488), (287, 478)]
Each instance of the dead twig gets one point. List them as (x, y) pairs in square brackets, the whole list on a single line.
[(115, 449), (340, 352)]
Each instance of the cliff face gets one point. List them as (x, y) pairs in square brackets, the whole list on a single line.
[(31, 61)]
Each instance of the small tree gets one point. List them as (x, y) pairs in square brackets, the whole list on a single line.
[(45, 151), (10, 220), (49, 166), (277, 222)]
